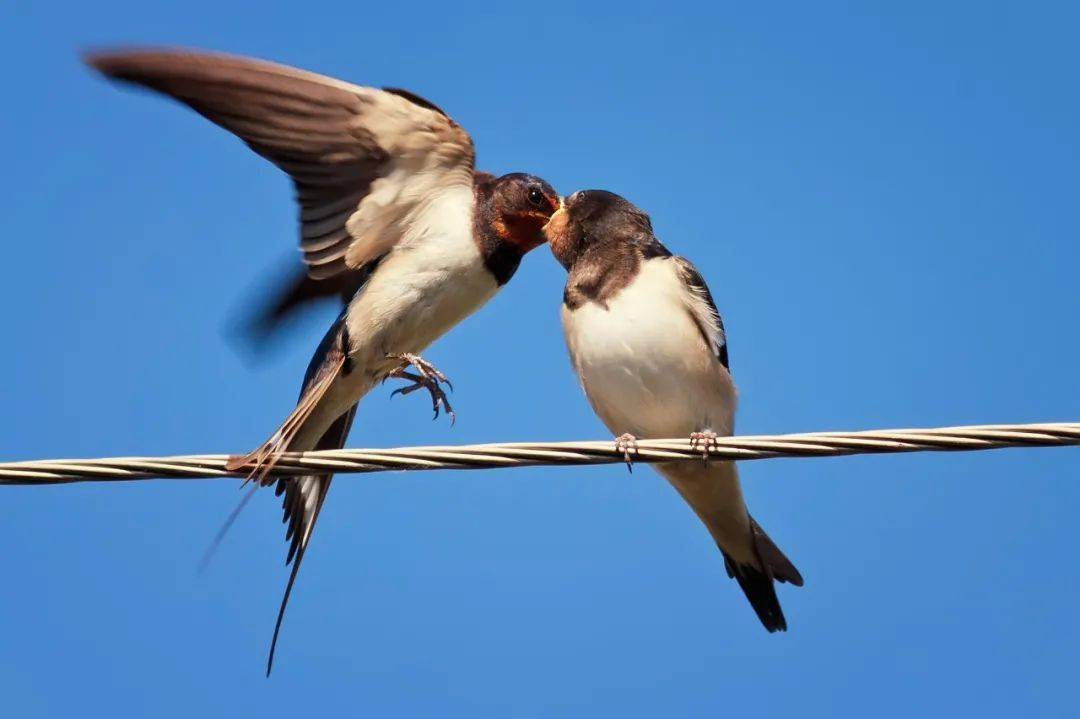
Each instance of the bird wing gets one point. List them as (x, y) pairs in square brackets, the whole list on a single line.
[(362, 160), (285, 295), (714, 493), (703, 310)]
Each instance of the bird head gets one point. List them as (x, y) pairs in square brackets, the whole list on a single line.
[(590, 217), (520, 207)]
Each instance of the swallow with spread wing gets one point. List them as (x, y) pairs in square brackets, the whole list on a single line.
[(393, 215), (649, 348)]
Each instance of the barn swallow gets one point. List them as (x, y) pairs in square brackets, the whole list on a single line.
[(649, 349), (393, 215)]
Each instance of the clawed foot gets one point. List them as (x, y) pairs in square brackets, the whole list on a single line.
[(627, 444), (703, 441), (426, 377)]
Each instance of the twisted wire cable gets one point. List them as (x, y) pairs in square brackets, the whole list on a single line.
[(528, 454)]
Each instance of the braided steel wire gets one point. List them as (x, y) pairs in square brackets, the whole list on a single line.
[(528, 454)]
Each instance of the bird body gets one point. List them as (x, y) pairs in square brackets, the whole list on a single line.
[(426, 284), (392, 211), (647, 372), (433, 278), (642, 360), (650, 351)]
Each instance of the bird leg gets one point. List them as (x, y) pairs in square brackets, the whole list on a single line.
[(627, 444), (703, 441), (426, 377)]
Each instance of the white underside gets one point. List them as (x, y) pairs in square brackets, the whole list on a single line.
[(647, 371), (432, 279), (644, 364)]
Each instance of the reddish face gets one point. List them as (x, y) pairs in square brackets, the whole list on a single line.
[(522, 205)]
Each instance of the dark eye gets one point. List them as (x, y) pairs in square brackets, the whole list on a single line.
[(536, 198)]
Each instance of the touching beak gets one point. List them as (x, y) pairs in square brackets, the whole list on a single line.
[(560, 211)]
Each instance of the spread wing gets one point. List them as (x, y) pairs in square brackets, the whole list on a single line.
[(361, 159), (288, 292), (703, 309)]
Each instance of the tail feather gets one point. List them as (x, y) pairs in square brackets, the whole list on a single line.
[(211, 551), (779, 566), (758, 584), (304, 495), (330, 361), (751, 558), (300, 494), (760, 591)]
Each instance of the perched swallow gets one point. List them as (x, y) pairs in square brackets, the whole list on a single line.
[(393, 216), (649, 348)]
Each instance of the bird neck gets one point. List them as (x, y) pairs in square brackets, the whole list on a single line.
[(600, 271), (501, 252)]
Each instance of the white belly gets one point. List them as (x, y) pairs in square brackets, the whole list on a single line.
[(432, 279), (643, 363)]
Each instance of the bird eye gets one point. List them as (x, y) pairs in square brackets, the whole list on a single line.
[(536, 198)]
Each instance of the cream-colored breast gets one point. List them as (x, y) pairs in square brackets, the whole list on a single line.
[(643, 362), (433, 278)]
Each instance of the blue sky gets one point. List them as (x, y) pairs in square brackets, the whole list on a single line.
[(884, 202)]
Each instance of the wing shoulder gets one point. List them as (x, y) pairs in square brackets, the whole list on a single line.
[(702, 308)]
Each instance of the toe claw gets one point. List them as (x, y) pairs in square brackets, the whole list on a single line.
[(703, 441), (426, 377), (627, 443)]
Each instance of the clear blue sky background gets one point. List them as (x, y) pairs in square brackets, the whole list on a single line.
[(884, 202)]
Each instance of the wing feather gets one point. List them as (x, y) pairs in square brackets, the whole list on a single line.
[(362, 160), (703, 310)]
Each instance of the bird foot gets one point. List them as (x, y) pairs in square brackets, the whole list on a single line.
[(428, 377), (703, 441), (627, 444)]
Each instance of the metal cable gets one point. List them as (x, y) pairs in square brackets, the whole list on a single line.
[(527, 454)]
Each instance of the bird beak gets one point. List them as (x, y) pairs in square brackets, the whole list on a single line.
[(555, 230), (557, 213)]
